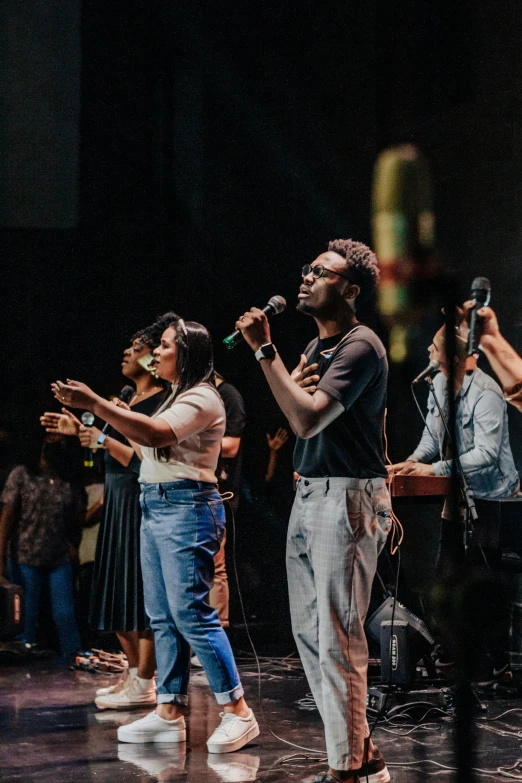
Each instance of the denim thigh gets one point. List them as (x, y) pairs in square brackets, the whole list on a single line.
[(182, 529), (185, 523)]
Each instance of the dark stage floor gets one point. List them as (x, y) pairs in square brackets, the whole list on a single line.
[(51, 731)]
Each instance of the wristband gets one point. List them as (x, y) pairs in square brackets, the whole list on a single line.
[(101, 440)]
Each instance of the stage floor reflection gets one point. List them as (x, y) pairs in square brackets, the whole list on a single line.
[(51, 731)]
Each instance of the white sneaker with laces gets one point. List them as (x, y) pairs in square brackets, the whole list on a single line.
[(232, 733), (152, 728), (136, 694), (122, 683)]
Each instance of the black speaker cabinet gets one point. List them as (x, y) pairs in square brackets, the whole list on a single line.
[(11, 610), (397, 662)]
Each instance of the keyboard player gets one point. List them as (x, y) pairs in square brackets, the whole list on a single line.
[(482, 440), (481, 430)]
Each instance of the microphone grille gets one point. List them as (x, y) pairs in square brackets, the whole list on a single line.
[(278, 303), (434, 364), (481, 282), (481, 290), (88, 418), (126, 394)]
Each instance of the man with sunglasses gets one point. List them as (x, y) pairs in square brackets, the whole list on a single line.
[(335, 403)]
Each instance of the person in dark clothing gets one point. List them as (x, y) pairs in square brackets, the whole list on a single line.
[(229, 472), (231, 458), (42, 515), (117, 602)]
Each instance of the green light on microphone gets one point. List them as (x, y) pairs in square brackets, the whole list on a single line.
[(275, 305)]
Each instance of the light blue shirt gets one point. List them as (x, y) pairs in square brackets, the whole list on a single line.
[(482, 436)]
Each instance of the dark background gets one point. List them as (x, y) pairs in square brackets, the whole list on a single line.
[(192, 157)]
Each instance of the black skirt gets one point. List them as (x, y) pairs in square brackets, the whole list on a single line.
[(117, 593)]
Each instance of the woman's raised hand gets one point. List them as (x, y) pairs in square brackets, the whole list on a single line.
[(64, 423), (74, 394)]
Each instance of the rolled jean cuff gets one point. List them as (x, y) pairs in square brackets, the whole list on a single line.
[(172, 698), (228, 696)]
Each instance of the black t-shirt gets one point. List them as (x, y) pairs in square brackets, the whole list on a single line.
[(147, 407), (356, 375), (230, 469)]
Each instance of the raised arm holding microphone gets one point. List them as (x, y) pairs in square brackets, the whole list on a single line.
[(340, 519), (504, 360)]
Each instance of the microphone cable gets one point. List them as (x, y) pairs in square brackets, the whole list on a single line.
[(382, 712), (395, 548), (423, 417)]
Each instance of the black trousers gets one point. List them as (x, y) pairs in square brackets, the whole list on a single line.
[(477, 579)]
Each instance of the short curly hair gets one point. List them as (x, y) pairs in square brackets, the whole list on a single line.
[(151, 335), (361, 264)]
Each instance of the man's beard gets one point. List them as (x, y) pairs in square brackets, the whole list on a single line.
[(305, 307), (327, 310)]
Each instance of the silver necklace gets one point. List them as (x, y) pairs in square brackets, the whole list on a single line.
[(147, 391)]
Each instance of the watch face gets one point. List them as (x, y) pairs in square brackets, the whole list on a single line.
[(268, 351)]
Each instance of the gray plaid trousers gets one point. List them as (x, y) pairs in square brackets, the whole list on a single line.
[(337, 529)]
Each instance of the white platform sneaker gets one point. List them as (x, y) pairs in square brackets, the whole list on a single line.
[(152, 728), (138, 693), (232, 733), (119, 686)]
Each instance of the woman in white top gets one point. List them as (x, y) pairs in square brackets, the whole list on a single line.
[(182, 525)]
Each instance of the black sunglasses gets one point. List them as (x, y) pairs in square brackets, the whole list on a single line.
[(318, 271)]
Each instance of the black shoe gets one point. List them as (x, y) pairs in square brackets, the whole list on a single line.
[(503, 674), (449, 696), (446, 669), (375, 770), (37, 652), (324, 777), (499, 673)]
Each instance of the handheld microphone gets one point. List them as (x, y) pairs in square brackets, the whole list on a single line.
[(433, 366), (275, 305), (481, 292), (126, 395), (88, 421)]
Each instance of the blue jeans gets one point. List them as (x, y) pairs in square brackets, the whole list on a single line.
[(61, 592), (181, 529)]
